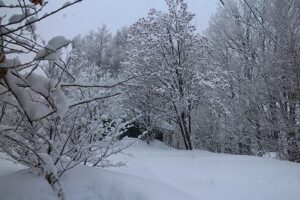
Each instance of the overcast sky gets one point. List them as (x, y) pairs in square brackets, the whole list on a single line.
[(91, 14)]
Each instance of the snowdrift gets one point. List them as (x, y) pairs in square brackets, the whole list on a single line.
[(158, 172), (85, 183)]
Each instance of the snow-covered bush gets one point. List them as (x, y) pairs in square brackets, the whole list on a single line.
[(47, 124)]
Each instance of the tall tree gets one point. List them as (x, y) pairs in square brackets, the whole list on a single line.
[(166, 53)]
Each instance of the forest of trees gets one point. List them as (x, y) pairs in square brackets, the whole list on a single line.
[(255, 45), (233, 89)]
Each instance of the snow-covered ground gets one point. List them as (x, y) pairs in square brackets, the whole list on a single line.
[(7, 167), (158, 172)]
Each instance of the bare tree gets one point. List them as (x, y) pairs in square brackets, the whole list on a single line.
[(166, 48)]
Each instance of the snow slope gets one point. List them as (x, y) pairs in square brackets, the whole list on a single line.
[(211, 176), (84, 183), (7, 167), (157, 172)]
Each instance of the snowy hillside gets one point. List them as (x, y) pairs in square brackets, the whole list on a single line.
[(158, 172), (70, 105), (214, 176)]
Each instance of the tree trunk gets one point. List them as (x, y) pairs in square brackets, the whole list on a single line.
[(57, 188)]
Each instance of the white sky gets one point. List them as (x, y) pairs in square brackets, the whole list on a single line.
[(88, 15), (91, 14)]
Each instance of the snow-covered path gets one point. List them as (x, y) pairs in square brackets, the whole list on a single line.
[(157, 172)]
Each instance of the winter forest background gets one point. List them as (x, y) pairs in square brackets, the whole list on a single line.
[(232, 89)]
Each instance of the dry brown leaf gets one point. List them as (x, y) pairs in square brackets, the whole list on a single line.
[(3, 72), (36, 2), (2, 57)]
